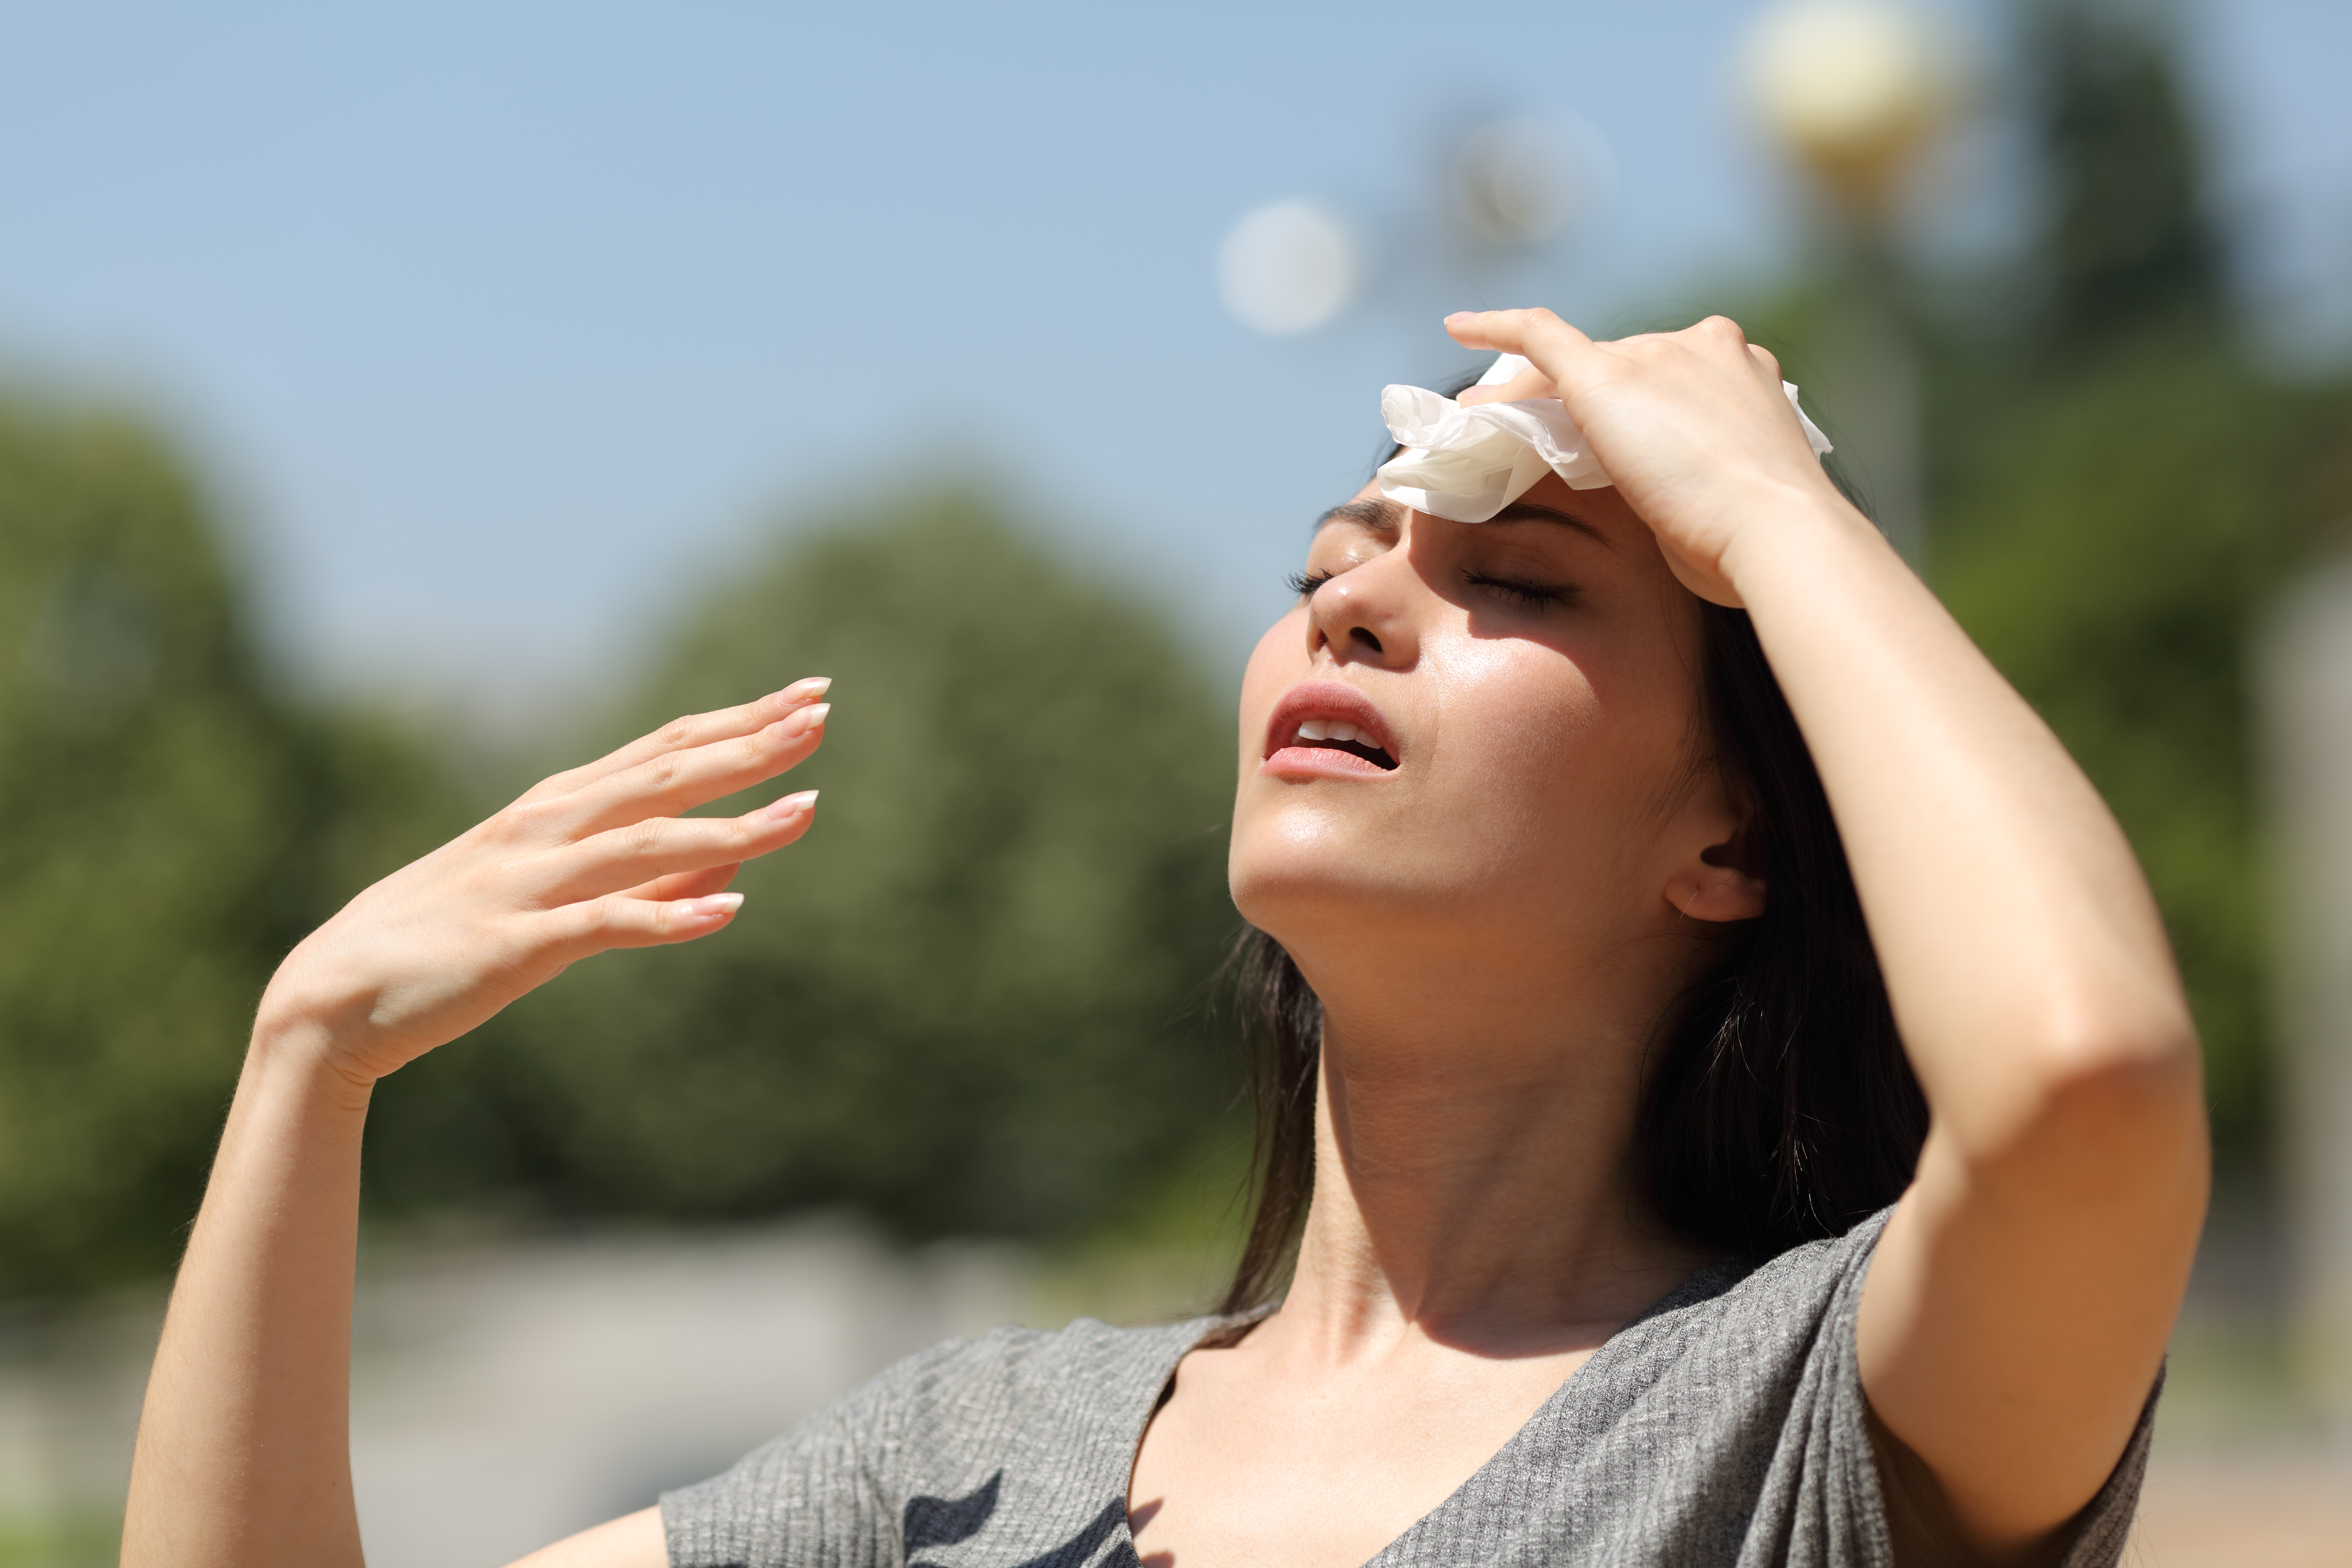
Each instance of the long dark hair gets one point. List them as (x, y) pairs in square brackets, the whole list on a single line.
[(1776, 1107)]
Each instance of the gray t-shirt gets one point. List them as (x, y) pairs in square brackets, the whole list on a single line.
[(1724, 1426)]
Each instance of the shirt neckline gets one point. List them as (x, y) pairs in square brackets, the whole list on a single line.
[(1706, 1281)]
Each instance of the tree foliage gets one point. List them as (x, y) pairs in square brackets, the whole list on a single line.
[(2111, 549), (966, 1000), (2129, 243), (172, 827), (2118, 490)]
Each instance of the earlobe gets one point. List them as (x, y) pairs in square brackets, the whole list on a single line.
[(1718, 893), (1715, 888)]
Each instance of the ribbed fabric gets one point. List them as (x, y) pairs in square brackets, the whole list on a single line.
[(1724, 1426)]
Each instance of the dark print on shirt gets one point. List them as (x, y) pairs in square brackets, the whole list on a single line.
[(946, 1521)]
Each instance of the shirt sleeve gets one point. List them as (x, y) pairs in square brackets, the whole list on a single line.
[(811, 1498), (1840, 1517)]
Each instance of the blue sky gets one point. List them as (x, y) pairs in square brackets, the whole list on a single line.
[(500, 327)]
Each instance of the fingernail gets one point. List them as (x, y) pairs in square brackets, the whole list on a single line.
[(808, 718), (1461, 315), (813, 686), (710, 904), (791, 805)]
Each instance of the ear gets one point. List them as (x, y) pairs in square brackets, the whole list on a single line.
[(1721, 882)]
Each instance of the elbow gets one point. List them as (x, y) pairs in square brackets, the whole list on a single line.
[(2116, 1091)]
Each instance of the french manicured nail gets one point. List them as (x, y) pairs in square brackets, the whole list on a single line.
[(709, 905), (792, 805), (810, 717), (814, 686)]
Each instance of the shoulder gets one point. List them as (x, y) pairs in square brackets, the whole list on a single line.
[(1018, 1431), (1017, 1371), (1725, 1424), (1741, 1306), (1739, 1348)]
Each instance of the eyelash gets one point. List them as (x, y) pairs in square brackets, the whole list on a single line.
[(1527, 595)]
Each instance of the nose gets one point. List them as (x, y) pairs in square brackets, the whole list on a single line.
[(1365, 615)]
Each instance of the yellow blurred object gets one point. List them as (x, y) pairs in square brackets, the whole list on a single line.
[(1854, 88)]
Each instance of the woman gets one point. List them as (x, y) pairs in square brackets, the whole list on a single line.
[(1545, 1305)]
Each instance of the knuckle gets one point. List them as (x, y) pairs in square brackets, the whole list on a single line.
[(603, 920), (572, 927), (514, 822), (678, 731)]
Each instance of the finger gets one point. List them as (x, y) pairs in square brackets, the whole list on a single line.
[(676, 781), (665, 847), (1528, 384), (686, 884), (1720, 338), (598, 925), (1554, 349), (693, 729)]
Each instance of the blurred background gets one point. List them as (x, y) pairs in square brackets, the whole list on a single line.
[(398, 404)]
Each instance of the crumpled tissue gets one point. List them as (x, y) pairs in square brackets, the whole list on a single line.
[(1467, 463)]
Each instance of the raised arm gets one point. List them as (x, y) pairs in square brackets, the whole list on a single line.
[(244, 1454), (2018, 1306)]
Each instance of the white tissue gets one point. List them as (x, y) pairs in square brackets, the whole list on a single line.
[(1467, 463)]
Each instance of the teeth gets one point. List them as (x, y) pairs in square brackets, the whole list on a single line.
[(1315, 729), (1341, 732)]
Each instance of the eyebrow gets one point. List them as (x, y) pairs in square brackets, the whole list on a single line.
[(1535, 511), (1380, 516), (1385, 516)]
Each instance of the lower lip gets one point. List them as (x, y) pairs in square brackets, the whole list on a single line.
[(1321, 762)]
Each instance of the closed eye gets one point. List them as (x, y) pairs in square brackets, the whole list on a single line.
[(1519, 592), (1304, 583)]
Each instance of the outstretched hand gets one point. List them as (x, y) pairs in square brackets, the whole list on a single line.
[(595, 858), (1692, 426)]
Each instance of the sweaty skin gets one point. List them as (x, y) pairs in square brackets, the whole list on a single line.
[(1493, 924), (1495, 879)]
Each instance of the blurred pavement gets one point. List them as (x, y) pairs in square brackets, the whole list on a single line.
[(507, 1393)]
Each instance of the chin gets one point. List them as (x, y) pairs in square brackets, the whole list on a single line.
[(1301, 876)]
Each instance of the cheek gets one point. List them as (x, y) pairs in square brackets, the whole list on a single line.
[(1549, 765), (1275, 665), (1515, 746)]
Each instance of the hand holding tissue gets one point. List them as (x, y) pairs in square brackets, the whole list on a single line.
[(1467, 463)]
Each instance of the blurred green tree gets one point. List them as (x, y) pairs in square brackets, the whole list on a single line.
[(172, 827), (2110, 550), (2118, 489), (967, 1001), (2129, 243)]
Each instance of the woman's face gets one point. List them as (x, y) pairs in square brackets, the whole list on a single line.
[(1523, 695)]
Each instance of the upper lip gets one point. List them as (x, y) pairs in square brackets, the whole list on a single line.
[(1329, 700)]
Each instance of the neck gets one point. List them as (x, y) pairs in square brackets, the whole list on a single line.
[(1476, 1139)]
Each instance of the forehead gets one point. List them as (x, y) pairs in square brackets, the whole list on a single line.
[(1550, 503)]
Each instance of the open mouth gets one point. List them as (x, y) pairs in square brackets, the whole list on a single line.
[(1337, 735)]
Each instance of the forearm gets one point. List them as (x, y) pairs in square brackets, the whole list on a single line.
[(2020, 1297), (244, 1454), (2021, 945)]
